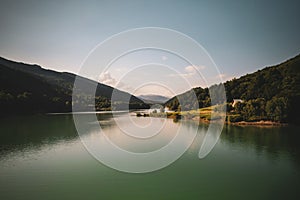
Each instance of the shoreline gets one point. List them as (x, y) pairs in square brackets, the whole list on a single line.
[(262, 123), (243, 123), (258, 123)]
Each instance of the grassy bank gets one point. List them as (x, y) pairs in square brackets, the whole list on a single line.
[(205, 115)]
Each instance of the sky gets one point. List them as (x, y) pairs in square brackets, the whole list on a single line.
[(240, 36)]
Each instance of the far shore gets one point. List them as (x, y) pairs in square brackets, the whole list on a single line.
[(207, 120), (259, 123), (242, 123)]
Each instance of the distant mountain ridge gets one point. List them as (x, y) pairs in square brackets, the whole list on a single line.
[(153, 98), (30, 88)]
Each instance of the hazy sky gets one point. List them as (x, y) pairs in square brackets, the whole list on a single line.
[(240, 36)]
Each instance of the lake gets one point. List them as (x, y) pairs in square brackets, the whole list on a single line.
[(42, 157)]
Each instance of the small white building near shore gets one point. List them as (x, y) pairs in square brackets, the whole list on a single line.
[(235, 101)]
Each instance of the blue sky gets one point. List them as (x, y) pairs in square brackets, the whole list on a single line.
[(240, 36)]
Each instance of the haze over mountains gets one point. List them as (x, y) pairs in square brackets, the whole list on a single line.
[(153, 98)]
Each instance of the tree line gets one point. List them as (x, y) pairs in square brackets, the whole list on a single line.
[(272, 93)]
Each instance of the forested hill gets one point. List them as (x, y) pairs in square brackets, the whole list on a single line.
[(282, 80), (272, 93), (28, 88)]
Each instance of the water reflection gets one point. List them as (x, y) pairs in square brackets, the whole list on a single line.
[(247, 163), (272, 141), (24, 133)]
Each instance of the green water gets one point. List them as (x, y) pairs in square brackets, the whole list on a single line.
[(42, 157)]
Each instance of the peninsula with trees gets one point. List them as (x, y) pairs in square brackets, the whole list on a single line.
[(270, 94)]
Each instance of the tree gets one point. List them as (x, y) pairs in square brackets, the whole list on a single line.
[(251, 110), (277, 109)]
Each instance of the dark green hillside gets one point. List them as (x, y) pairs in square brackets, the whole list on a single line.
[(23, 93), (31, 89), (282, 80), (272, 93)]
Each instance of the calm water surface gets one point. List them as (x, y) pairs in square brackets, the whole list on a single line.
[(42, 157)]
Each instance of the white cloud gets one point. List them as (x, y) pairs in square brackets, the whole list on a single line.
[(193, 68), (189, 70), (222, 76), (164, 58), (107, 79), (121, 69)]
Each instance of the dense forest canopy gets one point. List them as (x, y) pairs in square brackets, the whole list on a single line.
[(272, 93)]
